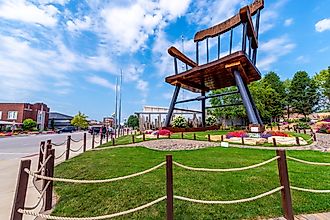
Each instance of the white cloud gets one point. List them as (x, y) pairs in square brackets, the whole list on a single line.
[(272, 50), (302, 59), (269, 16), (24, 69), (130, 26), (97, 80), (288, 22), (21, 10), (216, 11), (323, 25), (78, 25)]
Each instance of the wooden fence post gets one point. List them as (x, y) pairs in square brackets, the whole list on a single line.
[(41, 155), (284, 181), (68, 145), (158, 135), (221, 138), (274, 142), (85, 142), (208, 137), (101, 137), (242, 140), (143, 136), (93, 140), (278, 128), (169, 188), (304, 131), (50, 173), (194, 136), (181, 135), (20, 192), (133, 140), (113, 141), (314, 136), (297, 141), (169, 135)]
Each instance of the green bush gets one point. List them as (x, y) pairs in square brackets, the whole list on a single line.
[(179, 122), (211, 120), (303, 125), (29, 124), (304, 119)]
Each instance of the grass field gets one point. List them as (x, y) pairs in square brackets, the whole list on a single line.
[(200, 136), (99, 199)]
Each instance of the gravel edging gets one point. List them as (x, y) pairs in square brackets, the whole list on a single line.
[(184, 144)]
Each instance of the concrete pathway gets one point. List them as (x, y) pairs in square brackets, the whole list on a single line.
[(9, 172), (318, 216)]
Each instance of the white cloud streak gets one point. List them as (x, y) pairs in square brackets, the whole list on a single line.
[(323, 25), (23, 11)]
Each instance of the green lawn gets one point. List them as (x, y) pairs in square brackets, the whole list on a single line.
[(200, 136), (99, 199)]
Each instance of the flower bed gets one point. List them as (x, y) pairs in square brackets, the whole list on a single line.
[(323, 127), (237, 134)]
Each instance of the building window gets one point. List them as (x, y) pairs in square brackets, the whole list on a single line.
[(0, 115), (12, 115)]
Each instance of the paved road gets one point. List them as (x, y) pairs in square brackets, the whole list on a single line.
[(12, 150), (18, 147)]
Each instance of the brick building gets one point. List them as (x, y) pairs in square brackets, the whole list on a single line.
[(18, 112)]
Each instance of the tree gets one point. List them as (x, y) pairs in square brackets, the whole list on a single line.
[(80, 120), (322, 80), (133, 121), (303, 94), (229, 112), (29, 124), (179, 122)]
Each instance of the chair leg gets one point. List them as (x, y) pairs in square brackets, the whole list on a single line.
[(172, 105), (245, 97), (253, 105)]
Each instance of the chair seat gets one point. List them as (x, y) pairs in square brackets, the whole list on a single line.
[(216, 74)]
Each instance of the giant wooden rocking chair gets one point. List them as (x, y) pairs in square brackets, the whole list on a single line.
[(236, 69)]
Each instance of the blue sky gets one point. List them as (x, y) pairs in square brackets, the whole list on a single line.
[(68, 53)]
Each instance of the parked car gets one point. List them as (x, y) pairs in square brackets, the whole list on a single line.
[(94, 129), (69, 129)]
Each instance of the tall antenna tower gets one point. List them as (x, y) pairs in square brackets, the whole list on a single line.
[(116, 105)]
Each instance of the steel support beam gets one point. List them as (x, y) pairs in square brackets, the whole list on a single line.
[(186, 110), (245, 97), (172, 105), (222, 106), (199, 98)]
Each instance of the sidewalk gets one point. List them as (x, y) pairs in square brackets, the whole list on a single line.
[(9, 172)]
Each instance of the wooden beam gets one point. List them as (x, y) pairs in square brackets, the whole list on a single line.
[(178, 54), (228, 24), (246, 18)]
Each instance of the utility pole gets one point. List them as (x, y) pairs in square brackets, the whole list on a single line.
[(120, 87)]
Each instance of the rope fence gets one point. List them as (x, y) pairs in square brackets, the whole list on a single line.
[(93, 181), (58, 157), (280, 157), (231, 201), (228, 169), (76, 150), (76, 141), (57, 145), (27, 212), (308, 162), (310, 190)]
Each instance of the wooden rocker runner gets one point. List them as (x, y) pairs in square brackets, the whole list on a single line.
[(235, 69)]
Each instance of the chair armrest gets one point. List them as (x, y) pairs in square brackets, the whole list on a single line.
[(177, 54)]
